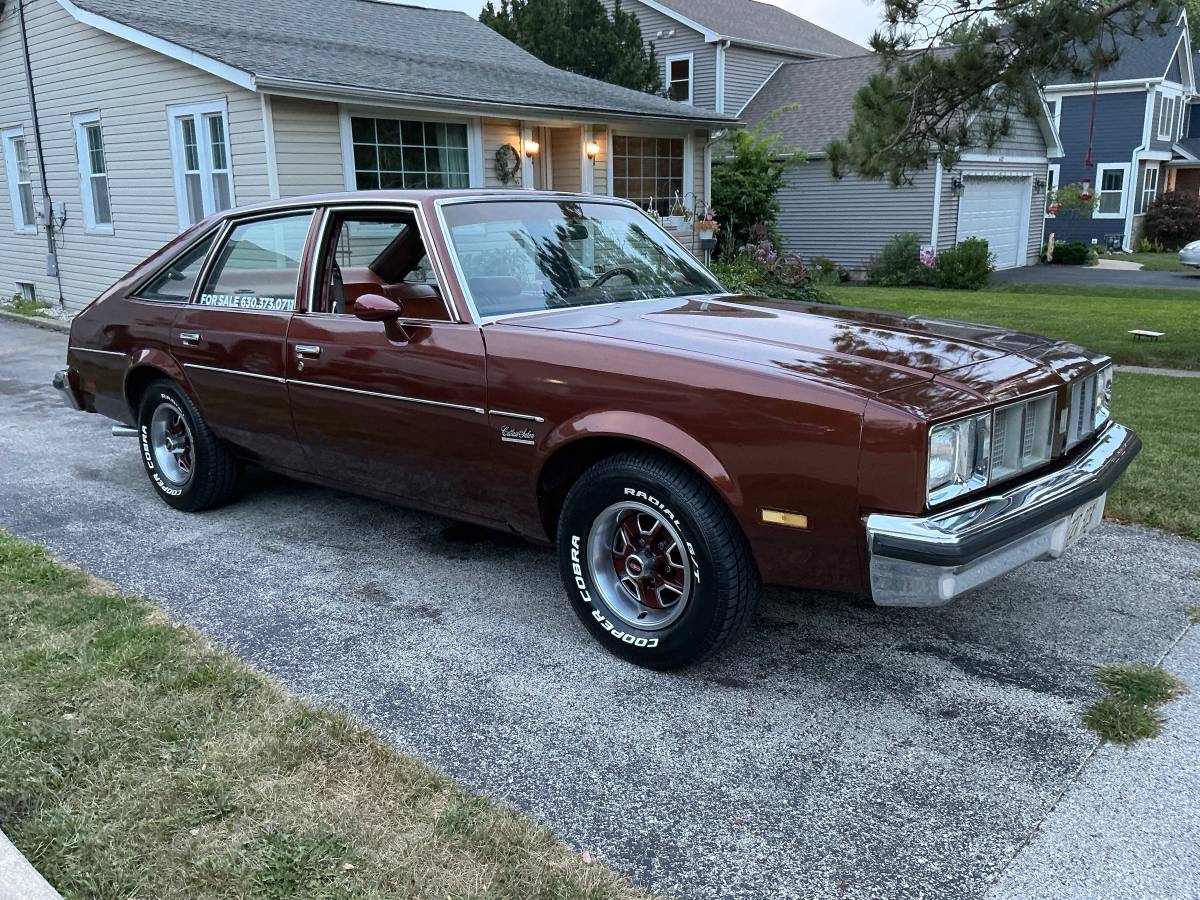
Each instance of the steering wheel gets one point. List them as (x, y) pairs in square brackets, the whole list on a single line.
[(613, 273)]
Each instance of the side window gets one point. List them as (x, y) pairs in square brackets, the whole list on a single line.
[(175, 282), (259, 266), (379, 253)]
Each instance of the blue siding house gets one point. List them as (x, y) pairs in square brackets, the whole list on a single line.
[(1122, 135)]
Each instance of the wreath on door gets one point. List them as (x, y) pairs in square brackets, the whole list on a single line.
[(508, 163)]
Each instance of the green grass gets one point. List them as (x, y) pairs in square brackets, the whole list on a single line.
[(1162, 487), (23, 307), (1097, 318), (1129, 713), (138, 761), (1153, 262)]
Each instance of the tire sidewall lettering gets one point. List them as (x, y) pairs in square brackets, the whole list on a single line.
[(160, 483)]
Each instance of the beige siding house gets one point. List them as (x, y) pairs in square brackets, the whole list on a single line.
[(151, 114)]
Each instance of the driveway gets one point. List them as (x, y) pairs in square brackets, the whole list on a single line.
[(1091, 275), (839, 750)]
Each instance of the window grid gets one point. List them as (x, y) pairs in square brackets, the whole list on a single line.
[(395, 154), (679, 79), (648, 171), (97, 208), (20, 179), (1112, 192), (203, 170), (1149, 187)]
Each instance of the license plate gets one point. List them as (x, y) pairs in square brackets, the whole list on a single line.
[(1084, 519)]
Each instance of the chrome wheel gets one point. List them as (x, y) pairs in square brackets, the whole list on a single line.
[(640, 565), (171, 443)]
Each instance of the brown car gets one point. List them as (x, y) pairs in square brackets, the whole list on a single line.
[(559, 367)]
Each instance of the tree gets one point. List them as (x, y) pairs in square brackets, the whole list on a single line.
[(938, 102), (579, 36), (747, 173)]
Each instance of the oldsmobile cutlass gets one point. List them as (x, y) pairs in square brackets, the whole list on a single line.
[(558, 366)]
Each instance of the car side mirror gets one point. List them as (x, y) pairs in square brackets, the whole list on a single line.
[(378, 308)]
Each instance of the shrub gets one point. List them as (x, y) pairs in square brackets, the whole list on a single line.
[(1072, 253), (826, 271), (965, 267), (1173, 219), (762, 271), (1147, 246), (899, 263)]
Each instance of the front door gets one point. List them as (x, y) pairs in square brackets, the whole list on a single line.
[(230, 341), (395, 408)]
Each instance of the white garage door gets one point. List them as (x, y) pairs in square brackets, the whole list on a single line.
[(997, 209)]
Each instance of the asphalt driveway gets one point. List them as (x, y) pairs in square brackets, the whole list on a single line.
[(838, 751), (1091, 275)]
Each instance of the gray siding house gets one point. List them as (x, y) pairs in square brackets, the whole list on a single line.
[(997, 193), (152, 115), (1131, 144)]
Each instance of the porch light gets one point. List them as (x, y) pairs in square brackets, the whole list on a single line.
[(592, 149), (532, 148)]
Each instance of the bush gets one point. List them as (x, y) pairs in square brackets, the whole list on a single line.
[(1148, 246), (1173, 219), (826, 271), (761, 271), (965, 267), (899, 263), (1072, 253)]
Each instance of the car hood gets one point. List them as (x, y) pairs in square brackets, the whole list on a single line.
[(865, 350)]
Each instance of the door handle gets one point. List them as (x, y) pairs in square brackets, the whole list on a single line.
[(189, 337), (310, 351)]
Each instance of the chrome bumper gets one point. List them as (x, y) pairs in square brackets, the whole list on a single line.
[(62, 384), (930, 561)]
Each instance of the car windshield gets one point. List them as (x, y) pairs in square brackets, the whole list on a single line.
[(532, 255)]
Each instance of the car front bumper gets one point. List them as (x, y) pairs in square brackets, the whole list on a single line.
[(928, 561)]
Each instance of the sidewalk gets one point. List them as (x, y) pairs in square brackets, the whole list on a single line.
[(1129, 825), (18, 879)]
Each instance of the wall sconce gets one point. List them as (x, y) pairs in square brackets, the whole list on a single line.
[(592, 149), (1039, 185), (532, 148), (956, 186)]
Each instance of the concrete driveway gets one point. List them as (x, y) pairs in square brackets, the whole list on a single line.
[(1098, 277), (838, 751)]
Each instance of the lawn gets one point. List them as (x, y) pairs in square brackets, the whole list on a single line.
[(1098, 318), (138, 761), (1153, 262)]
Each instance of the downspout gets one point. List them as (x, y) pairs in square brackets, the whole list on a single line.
[(47, 203), (937, 205), (715, 138), (722, 46)]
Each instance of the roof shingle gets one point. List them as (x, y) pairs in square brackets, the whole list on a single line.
[(763, 23)]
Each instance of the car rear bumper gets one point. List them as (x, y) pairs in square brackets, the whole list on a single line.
[(928, 561), (65, 382)]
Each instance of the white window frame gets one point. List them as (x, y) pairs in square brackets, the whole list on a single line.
[(204, 149), (82, 121), (1053, 174), (474, 137), (691, 81), (1168, 107), (689, 156), (7, 138), (1054, 107), (1150, 169), (1101, 168)]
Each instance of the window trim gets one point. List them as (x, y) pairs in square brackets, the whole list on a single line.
[(1055, 170), (1171, 101), (1101, 168), (1146, 172), (7, 137), (474, 137), (178, 165), (689, 171), (691, 79), (80, 123)]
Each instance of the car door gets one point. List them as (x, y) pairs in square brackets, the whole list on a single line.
[(230, 340), (392, 408)]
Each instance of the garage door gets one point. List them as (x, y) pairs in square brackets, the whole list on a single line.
[(997, 209)]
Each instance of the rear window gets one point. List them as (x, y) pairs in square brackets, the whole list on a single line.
[(176, 281)]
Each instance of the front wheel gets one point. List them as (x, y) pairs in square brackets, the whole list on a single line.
[(653, 561)]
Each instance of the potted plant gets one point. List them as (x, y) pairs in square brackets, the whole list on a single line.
[(678, 216), (706, 229)]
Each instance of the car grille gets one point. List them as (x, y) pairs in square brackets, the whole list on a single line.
[(1085, 396), (1022, 436)]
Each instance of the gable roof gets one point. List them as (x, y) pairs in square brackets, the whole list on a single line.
[(823, 92), (367, 48), (1145, 56), (755, 24)]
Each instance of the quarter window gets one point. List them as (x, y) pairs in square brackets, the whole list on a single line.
[(200, 147), (176, 281), (395, 154), (259, 266), (679, 78), (93, 173), (648, 170), (1111, 184), (20, 180)]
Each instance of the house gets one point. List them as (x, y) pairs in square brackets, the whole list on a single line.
[(752, 59), (151, 114), (1121, 133), (997, 193)]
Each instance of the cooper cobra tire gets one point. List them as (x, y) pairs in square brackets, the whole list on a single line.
[(188, 466), (673, 518)]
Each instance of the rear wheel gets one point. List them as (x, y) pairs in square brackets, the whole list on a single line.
[(653, 561), (188, 466)]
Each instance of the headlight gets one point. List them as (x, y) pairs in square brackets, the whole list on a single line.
[(958, 456), (1104, 380)]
